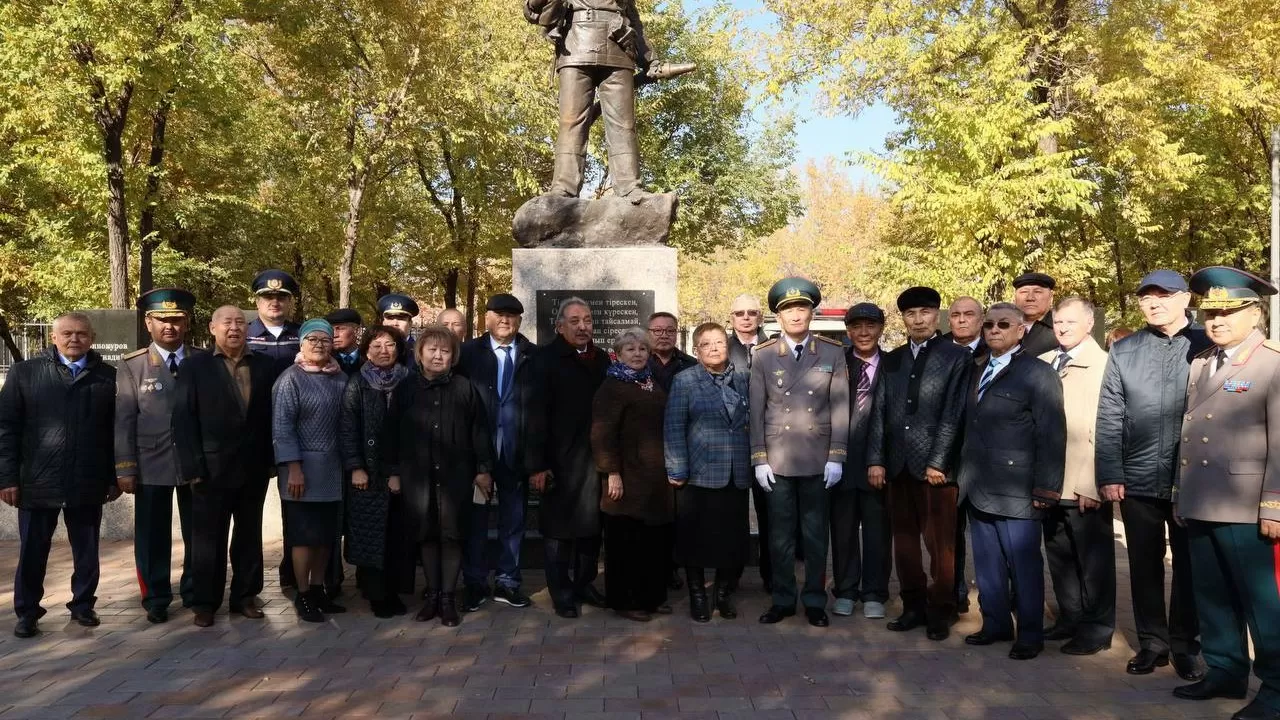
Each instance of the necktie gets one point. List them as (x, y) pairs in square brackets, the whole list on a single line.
[(75, 371), (505, 372), (173, 364), (986, 379), (799, 352), (864, 386), (1061, 361), (1219, 361)]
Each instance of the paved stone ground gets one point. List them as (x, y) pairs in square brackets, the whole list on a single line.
[(503, 662)]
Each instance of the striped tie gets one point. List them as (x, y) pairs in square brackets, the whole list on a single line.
[(986, 379), (864, 387)]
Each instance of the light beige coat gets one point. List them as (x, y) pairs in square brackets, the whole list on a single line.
[(1081, 386)]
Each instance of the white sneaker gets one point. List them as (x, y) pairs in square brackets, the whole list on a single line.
[(843, 606), (873, 610)]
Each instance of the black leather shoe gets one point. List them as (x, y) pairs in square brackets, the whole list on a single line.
[(510, 596), (87, 618), (698, 608), (982, 637), (1189, 667), (320, 598), (27, 627), (724, 603), (776, 614), (938, 631), (569, 613), (1084, 647), (908, 620), (591, 596), (1214, 686), (381, 609), (158, 615), (473, 596), (306, 607), (1257, 710), (1059, 632), (1146, 662), (396, 605), (817, 617), (1024, 652), (449, 610)]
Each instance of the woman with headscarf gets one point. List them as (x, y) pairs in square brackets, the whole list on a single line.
[(626, 440), (306, 404), (375, 516), (438, 453)]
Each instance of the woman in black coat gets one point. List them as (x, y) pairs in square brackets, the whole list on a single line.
[(375, 517), (437, 443)]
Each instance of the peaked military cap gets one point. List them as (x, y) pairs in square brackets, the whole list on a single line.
[(1226, 288), (1035, 278), (792, 290), (344, 316), (397, 304), (919, 296), (167, 302), (275, 281)]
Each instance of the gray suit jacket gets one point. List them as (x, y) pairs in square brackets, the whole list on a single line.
[(1228, 472), (799, 410), (144, 418)]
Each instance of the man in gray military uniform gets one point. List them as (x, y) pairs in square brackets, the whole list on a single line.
[(146, 462), (799, 432), (1227, 493)]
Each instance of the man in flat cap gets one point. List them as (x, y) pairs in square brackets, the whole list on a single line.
[(274, 333), (1033, 294), (497, 363), (1227, 492), (398, 311), (912, 446), (146, 461), (346, 339), (1144, 394), (860, 537), (799, 398)]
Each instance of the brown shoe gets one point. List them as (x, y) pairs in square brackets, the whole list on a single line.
[(204, 618), (635, 615), (248, 610)]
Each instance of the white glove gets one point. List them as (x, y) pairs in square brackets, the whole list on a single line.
[(831, 474), (764, 478)]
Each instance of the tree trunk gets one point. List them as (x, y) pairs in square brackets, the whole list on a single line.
[(117, 217), (148, 238), (299, 274), (350, 235), (473, 268), (451, 288)]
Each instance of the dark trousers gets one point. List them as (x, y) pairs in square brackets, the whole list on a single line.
[(636, 566), (1145, 522), (962, 529), (861, 543), (35, 534), (571, 565), (1237, 573), (1082, 563), (153, 544), (760, 499), (513, 497), (799, 500), (1007, 549), (212, 510), (918, 509)]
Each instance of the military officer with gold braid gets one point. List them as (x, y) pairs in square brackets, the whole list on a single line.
[(799, 393), (146, 461), (1227, 492)]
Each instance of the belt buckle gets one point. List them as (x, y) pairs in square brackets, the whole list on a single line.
[(591, 15)]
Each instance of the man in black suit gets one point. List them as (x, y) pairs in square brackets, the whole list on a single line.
[(346, 339), (745, 317), (222, 429), (497, 363), (1011, 469), (912, 445), (1033, 295), (860, 538)]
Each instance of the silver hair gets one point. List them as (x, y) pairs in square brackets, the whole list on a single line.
[(74, 317), (752, 300), (629, 336), (1076, 300), (568, 303), (1008, 307)]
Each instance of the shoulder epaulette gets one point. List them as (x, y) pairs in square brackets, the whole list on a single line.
[(136, 353), (767, 343), (1271, 345), (829, 341)]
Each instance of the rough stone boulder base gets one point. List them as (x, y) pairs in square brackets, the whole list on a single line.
[(563, 222)]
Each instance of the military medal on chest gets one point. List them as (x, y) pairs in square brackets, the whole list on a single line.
[(779, 374)]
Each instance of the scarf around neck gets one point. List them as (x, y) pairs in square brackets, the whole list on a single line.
[(383, 379), (328, 368), (728, 394), (642, 377)]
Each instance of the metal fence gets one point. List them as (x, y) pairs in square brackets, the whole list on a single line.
[(31, 339)]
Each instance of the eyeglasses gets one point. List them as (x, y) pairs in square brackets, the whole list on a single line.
[(317, 341), (712, 345), (1002, 324), (663, 331), (746, 313)]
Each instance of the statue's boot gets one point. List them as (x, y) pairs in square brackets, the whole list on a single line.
[(566, 177), (625, 170)]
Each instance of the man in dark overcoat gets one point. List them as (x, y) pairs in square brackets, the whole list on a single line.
[(56, 413), (567, 373)]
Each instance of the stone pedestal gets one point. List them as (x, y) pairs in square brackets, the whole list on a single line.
[(623, 285)]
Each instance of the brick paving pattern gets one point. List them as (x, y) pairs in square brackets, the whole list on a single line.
[(503, 662)]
